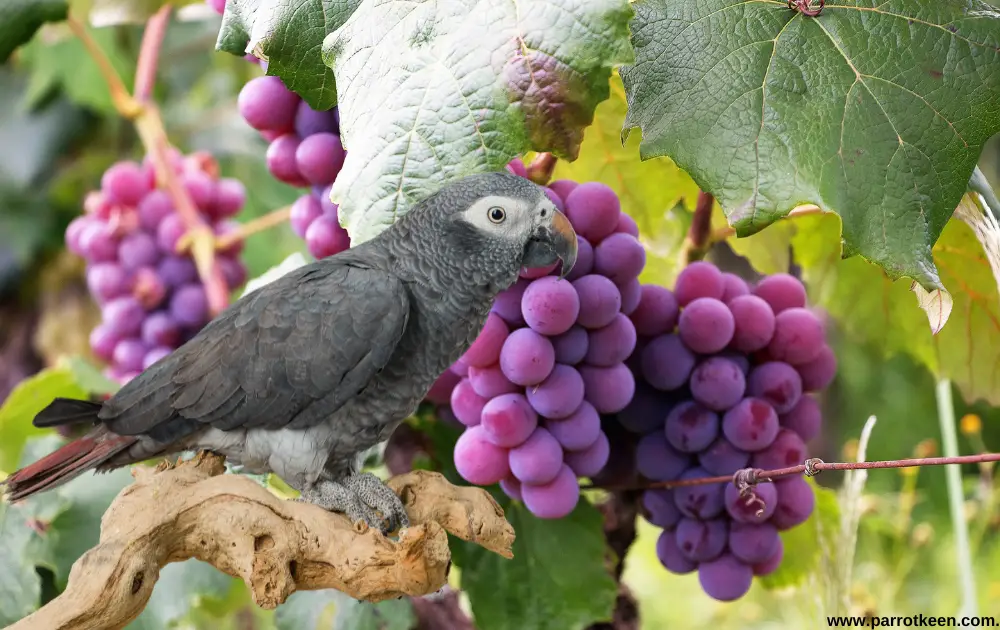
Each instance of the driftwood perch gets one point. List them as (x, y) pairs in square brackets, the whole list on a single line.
[(276, 546)]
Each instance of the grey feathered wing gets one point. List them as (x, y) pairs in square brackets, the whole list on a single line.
[(290, 354)]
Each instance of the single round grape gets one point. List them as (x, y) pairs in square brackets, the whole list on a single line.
[(703, 501), (670, 556), (608, 389), (555, 199), (753, 543), (600, 300), (98, 242), (798, 336), (485, 350), (611, 344), (817, 374), (153, 208), (490, 381), (750, 509), (804, 418), (125, 183), (733, 286), (667, 362), (699, 280), (512, 488), (508, 303), (571, 346), (631, 293), (584, 264), (563, 187), (577, 431), (148, 288), (660, 507), (103, 340), (516, 166), (593, 208), (329, 208), (309, 121), (646, 411), (538, 459), (722, 458), (555, 499), (700, 541), (128, 354), (795, 502), (706, 325), (230, 195), (627, 225), (177, 270), (690, 427), (589, 461), (106, 281), (658, 461), (74, 234), (787, 449), (325, 237), (550, 305), (781, 291), (717, 383), (657, 311), (234, 272), (478, 460), (305, 210), (170, 230), (467, 404), (777, 383), (508, 420), (189, 306), (154, 355), (320, 157), (620, 257), (532, 273), (267, 105), (281, 161), (201, 188), (440, 391), (725, 578), (527, 358), (137, 250), (770, 565), (559, 395), (754, 323), (751, 425), (124, 315)]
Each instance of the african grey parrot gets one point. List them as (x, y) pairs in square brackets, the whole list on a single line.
[(303, 375)]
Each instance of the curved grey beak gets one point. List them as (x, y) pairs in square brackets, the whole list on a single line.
[(557, 240)]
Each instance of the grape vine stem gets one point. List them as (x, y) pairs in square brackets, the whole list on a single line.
[(269, 220), (698, 238), (541, 168)]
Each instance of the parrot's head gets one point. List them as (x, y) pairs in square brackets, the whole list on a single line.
[(499, 223)]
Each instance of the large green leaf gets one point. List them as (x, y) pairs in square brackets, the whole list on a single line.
[(557, 579), (434, 91), (331, 609), (181, 587), (113, 12), (289, 35), (19, 19), (876, 110)]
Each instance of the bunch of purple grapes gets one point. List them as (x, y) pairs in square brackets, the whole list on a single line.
[(150, 295), (723, 372), (550, 361)]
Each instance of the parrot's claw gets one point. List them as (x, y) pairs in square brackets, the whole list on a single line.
[(358, 497)]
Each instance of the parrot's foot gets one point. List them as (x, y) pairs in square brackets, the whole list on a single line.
[(357, 497)]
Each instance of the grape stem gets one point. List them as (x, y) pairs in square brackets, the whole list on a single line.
[(698, 238), (149, 53), (541, 168), (269, 220)]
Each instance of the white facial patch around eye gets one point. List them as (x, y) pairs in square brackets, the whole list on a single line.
[(517, 216)]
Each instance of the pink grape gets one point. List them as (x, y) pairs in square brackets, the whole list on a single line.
[(538, 459), (753, 543), (137, 250), (153, 208), (798, 336), (128, 354), (305, 210), (631, 293), (589, 461), (571, 346), (600, 300), (512, 488), (201, 188), (516, 166), (661, 508), (177, 270), (309, 121), (170, 230), (106, 281), (787, 449), (233, 271), (754, 323), (325, 237), (770, 565), (611, 344), (508, 303), (230, 196), (733, 286), (700, 541), (818, 373), (667, 363), (722, 458), (593, 208), (98, 205), (527, 357), (440, 391), (717, 383), (155, 355), (555, 499), (98, 242), (103, 340), (608, 389), (627, 225), (320, 157), (584, 259), (160, 330), (563, 187), (657, 460), (490, 381), (281, 160), (125, 183), (537, 272), (706, 325), (657, 311), (670, 556), (699, 280), (804, 418), (690, 427), (124, 315), (577, 431), (189, 306), (559, 395), (478, 460), (467, 404), (751, 425), (267, 105), (725, 578), (646, 411), (485, 350), (703, 501), (796, 501), (620, 257), (781, 291), (74, 234), (777, 383), (747, 512), (508, 420), (550, 306)]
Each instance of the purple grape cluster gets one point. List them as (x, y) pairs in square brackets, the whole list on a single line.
[(723, 372), (150, 295), (550, 361)]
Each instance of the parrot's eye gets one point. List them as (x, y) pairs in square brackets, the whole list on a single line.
[(496, 214)]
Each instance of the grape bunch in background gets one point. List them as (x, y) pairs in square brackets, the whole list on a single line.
[(150, 295), (550, 361), (723, 374)]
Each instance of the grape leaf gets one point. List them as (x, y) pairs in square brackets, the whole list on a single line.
[(289, 35), (19, 19), (331, 609), (556, 580), (767, 108), (434, 91), (180, 587), (102, 13), (803, 544)]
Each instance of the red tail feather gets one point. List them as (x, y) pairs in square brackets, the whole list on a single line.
[(79, 456)]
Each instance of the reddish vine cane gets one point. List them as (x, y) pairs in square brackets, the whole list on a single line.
[(805, 7)]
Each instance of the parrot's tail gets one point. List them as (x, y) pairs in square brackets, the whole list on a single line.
[(80, 455)]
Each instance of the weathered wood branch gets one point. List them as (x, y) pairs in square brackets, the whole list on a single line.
[(276, 546)]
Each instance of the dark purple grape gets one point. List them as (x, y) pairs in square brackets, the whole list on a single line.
[(631, 294), (690, 427), (725, 578), (751, 425), (589, 461), (159, 329), (786, 450), (657, 311), (611, 344), (818, 373), (670, 556), (608, 389), (733, 286), (770, 565), (667, 362), (717, 383), (508, 303), (584, 259), (796, 501), (571, 346), (750, 509), (627, 225), (722, 458), (700, 541), (703, 501), (657, 460), (138, 250), (661, 508), (177, 270), (646, 412), (308, 121), (777, 383), (234, 272), (189, 306), (753, 543), (578, 431), (804, 418)]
